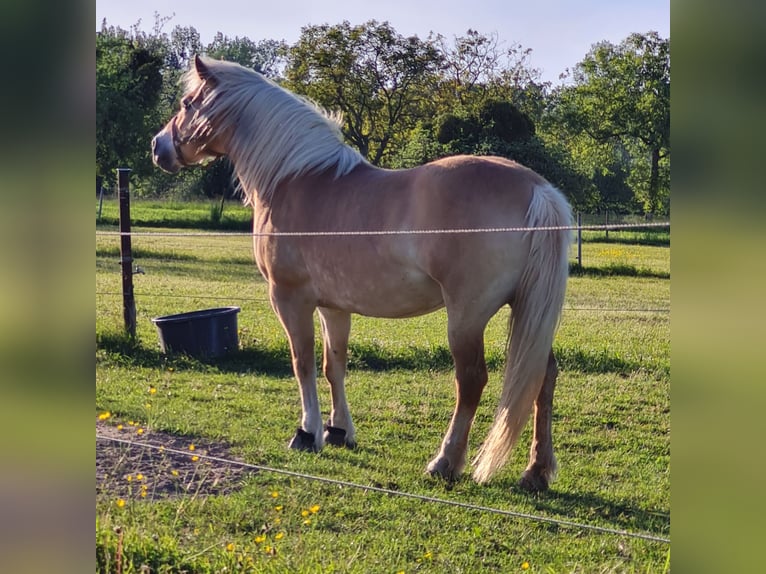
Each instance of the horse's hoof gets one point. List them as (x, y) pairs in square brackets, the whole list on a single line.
[(441, 467), (533, 482), (303, 441), (337, 436)]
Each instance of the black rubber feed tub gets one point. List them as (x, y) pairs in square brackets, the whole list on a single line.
[(207, 333)]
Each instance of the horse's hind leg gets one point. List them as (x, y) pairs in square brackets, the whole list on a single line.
[(541, 469), (336, 326), (467, 346)]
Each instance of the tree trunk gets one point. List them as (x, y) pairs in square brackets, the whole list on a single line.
[(654, 182)]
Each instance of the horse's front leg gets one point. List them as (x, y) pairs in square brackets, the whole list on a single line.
[(336, 326), (297, 318), (542, 466)]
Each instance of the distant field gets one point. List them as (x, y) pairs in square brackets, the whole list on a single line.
[(611, 425)]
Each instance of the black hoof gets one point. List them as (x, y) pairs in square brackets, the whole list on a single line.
[(336, 436), (533, 483), (303, 441)]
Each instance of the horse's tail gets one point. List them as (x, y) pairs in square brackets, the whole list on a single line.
[(536, 309)]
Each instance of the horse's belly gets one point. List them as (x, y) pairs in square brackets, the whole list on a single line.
[(399, 293)]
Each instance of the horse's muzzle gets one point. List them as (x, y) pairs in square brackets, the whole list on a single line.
[(164, 153)]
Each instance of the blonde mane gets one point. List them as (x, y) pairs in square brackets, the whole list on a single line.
[(274, 135)]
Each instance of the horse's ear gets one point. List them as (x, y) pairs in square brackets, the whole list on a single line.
[(202, 70)]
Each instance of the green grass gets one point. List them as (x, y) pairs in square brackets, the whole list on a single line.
[(611, 428), (200, 214)]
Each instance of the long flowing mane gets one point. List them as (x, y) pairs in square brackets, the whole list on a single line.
[(275, 135)]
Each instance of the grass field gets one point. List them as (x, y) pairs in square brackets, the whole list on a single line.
[(611, 427)]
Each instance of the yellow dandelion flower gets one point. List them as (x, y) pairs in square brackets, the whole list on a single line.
[(400, 572), (139, 476), (143, 494), (274, 494), (152, 391), (230, 547), (277, 521), (260, 539), (162, 448), (174, 472), (192, 447), (427, 555), (279, 536), (120, 503), (304, 513), (140, 432), (314, 509), (131, 423), (195, 458), (129, 477), (119, 427), (104, 416), (525, 566), (307, 522), (278, 507), (268, 550)]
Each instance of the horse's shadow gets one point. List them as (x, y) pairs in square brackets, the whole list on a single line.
[(599, 511)]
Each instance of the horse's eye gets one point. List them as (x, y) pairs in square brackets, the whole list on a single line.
[(186, 103)]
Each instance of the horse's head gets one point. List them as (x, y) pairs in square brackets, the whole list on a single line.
[(188, 138)]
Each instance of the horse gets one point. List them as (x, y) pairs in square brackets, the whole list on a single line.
[(336, 235)]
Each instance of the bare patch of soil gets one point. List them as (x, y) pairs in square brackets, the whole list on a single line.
[(132, 471)]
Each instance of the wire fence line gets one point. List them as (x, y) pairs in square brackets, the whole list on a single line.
[(385, 232), (382, 232), (398, 493), (265, 300)]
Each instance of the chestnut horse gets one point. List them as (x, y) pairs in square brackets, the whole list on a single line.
[(415, 245)]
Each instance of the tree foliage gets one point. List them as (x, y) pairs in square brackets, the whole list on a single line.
[(603, 136), (376, 77), (128, 87), (620, 96)]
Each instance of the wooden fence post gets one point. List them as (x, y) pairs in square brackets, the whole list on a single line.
[(126, 253), (579, 239)]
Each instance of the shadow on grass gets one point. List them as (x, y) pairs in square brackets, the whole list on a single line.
[(616, 515), (165, 255), (200, 222), (653, 239), (119, 349), (615, 270), (274, 359)]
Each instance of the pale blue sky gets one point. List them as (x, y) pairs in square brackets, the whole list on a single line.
[(559, 32)]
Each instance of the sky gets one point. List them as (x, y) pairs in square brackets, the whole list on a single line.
[(559, 32)]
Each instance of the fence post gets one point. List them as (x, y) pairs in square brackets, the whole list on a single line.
[(606, 222), (579, 239), (126, 252)]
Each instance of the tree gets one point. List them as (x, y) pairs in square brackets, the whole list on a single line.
[(621, 95), (500, 128), (266, 57), (377, 78), (128, 87), (476, 67)]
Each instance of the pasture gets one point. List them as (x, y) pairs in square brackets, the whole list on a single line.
[(611, 427)]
